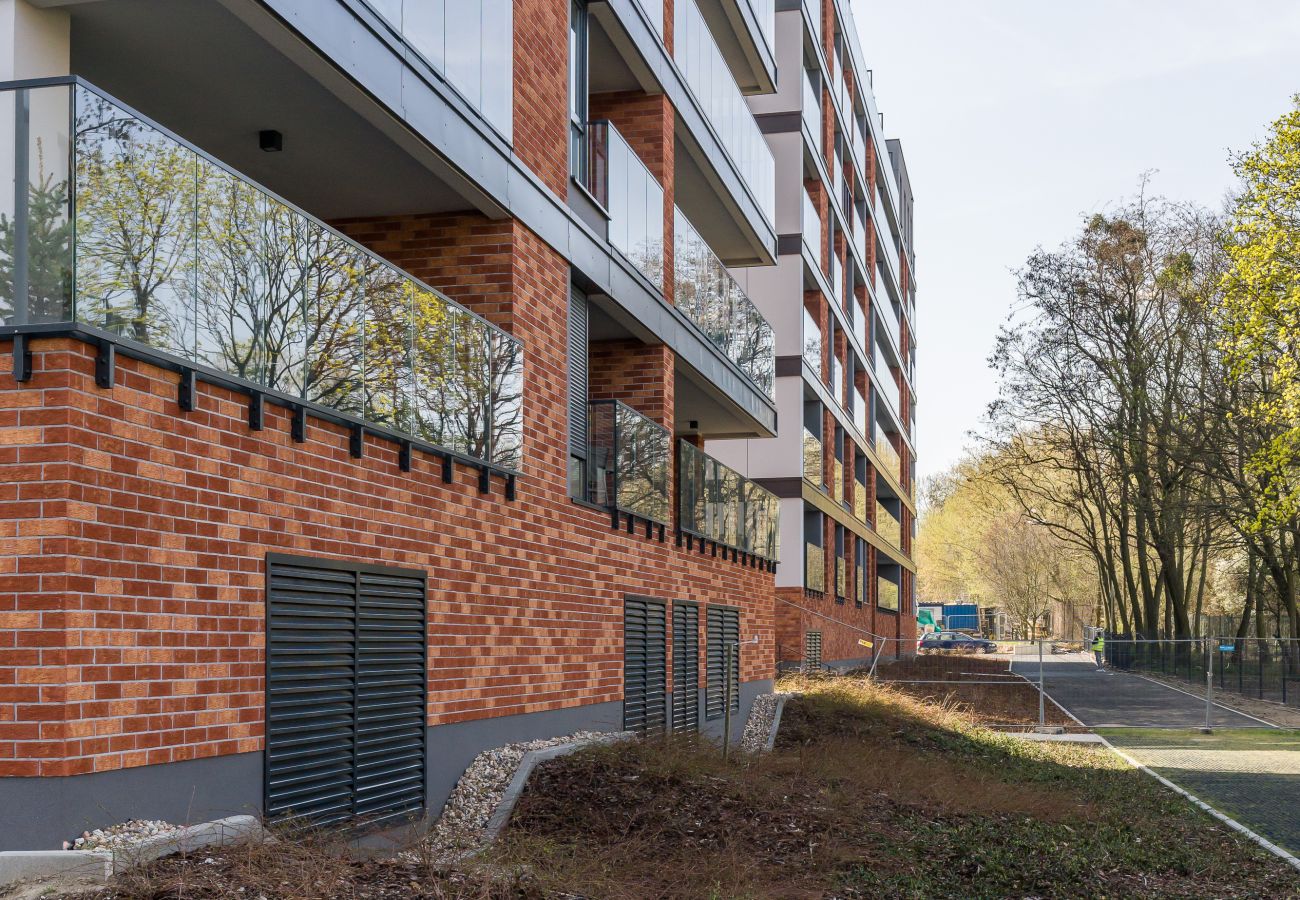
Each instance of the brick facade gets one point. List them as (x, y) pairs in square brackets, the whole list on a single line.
[(133, 538)]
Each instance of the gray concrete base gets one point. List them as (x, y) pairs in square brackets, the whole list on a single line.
[(42, 813), (748, 691), (776, 720), (96, 866)]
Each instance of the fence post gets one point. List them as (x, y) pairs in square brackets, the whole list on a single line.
[(1042, 708), (1259, 664), (726, 717), (1209, 690)]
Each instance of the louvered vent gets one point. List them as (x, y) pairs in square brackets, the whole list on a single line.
[(686, 667), (645, 664), (812, 650), (723, 629), (578, 367), (346, 689)]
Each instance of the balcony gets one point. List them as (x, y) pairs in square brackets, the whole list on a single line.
[(711, 82), (711, 298), (812, 229), (633, 199), (841, 578), (859, 323), (719, 504), (886, 594), (888, 456), (859, 236), (628, 461), (859, 412), (888, 386), (812, 111), (886, 234), (814, 577), (812, 457), (812, 342), (837, 481), (887, 526), (139, 237), (860, 501)]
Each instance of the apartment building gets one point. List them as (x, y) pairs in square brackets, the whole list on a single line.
[(842, 302), (362, 364)]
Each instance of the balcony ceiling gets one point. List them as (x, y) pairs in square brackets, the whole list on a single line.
[(197, 68)]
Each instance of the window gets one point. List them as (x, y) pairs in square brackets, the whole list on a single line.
[(645, 665), (686, 667), (578, 105), (723, 631), (346, 686)]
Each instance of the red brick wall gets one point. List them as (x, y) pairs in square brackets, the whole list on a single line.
[(638, 374), (541, 90), (133, 537), (842, 625)]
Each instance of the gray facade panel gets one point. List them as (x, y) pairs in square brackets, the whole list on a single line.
[(41, 813)]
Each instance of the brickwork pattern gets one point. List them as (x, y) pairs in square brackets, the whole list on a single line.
[(133, 537)]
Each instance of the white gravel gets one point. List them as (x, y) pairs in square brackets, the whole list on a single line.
[(759, 724), (479, 792), (122, 836)]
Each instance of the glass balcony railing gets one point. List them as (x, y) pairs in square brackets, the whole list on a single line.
[(814, 577), (837, 480), (765, 14), (888, 456), (654, 10), (886, 234), (712, 299), (859, 323), (859, 236), (468, 44), (890, 319), (812, 110), (814, 8), (836, 383), (719, 504), (861, 589), (888, 386), (859, 412), (812, 229), (859, 147), (812, 457), (860, 501), (710, 80), (633, 199), (887, 526), (628, 461), (886, 594), (841, 577), (110, 221), (812, 342)]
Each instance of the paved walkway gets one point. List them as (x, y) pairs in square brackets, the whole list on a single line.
[(1245, 769), (1117, 698)]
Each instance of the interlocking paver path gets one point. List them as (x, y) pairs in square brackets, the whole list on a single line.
[(1245, 769)]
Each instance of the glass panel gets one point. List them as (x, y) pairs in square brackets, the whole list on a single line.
[(642, 460), (812, 228), (812, 110), (632, 197), (812, 342), (886, 594), (887, 526), (332, 370), (136, 205), (498, 64), (473, 371), (507, 401), (421, 23), (814, 567), (463, 48), (36, 265), (812, 458), (438, 400), (389, 377), (714, 87), (860, 501), (837, 482)]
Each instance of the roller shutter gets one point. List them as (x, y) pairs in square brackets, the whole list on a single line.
[(723, 629), (346, 688), (645, 665), (686, 667)]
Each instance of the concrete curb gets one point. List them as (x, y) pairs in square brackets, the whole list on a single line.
[(1055, 738), (776, 721), (501, 815), (97, 866)]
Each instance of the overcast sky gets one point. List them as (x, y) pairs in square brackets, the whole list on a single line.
[(1019, 117)]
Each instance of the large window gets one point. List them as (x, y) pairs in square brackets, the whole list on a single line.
[(579, 165)]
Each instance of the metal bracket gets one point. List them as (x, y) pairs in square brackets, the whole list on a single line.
[(185, 391), (356, 442), (404, 455), (256, 412), (298, 424), (448, 468), (512, 491), (106, 364), (484, 480), (22, 358)]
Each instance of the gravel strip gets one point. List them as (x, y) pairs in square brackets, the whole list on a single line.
[(121, 836), (759, 724), (460, 828)]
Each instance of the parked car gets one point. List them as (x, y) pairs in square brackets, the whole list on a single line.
[(955, 641)]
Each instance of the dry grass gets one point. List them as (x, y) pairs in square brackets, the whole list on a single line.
[(871, 791)]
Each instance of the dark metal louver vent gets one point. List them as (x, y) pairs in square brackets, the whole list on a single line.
[(723, 629), (346, 686), (645, 665), (686, 667), (812, 650), (578, 368)]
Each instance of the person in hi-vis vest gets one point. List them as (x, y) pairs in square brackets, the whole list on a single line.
[(1099, 648)]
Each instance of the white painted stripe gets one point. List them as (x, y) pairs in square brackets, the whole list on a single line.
[(1202, 699)]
